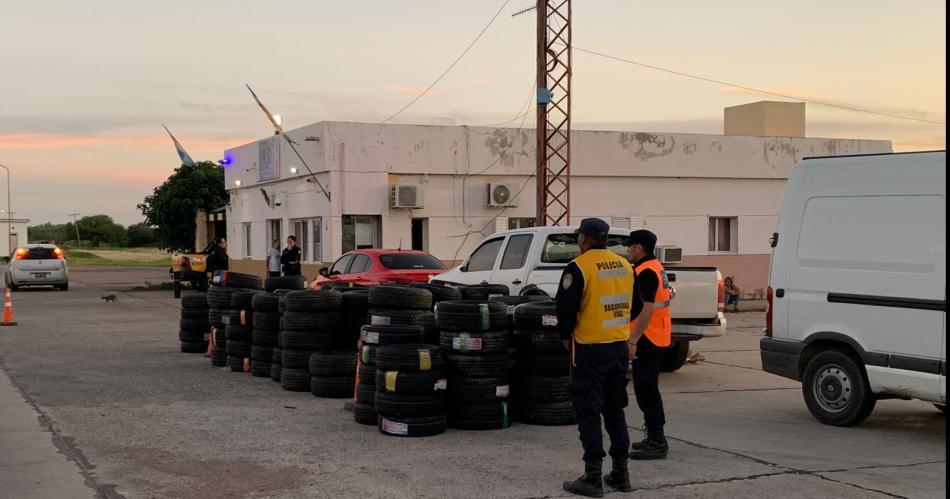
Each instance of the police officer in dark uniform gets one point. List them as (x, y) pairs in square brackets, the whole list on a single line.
[(593, 311), (651, 329)]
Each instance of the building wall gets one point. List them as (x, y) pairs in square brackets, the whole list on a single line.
[(18, 233), (766, 119), (672, 182)]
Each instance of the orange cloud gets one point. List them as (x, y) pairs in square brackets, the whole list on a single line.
[(411, 90), (46, 141)]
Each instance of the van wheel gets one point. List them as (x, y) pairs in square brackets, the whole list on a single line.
[(674, 356), (836, 389)]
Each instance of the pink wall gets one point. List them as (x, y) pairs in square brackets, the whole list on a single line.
[(750, 272)]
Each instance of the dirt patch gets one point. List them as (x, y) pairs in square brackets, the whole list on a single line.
[(118, 278)]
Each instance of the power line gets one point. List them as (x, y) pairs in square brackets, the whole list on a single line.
[(759, 90), (457, 60)]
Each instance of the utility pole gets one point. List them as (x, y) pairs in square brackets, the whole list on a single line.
[(76, 225), (554, 112), (9, 213)]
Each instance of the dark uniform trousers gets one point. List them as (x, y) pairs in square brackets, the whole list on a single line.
[(646, 375), (599, 387)]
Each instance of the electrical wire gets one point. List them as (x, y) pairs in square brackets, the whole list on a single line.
[(454, 63), (758, 90)]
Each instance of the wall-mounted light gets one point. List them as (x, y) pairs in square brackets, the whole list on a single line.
[(293, 169), (237, 183), (225, 162)]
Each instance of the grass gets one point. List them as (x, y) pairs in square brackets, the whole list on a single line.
[(128, 257)]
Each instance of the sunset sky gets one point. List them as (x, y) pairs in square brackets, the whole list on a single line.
[(85, 86)]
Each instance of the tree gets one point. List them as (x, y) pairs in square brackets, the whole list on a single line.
[(140, 234), (47, 232), (171, 207), (98, 229)]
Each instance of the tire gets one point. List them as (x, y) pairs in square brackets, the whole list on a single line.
[(219, 357), (296, 282), (365, 414), (295, 380), (546, 414), (837, 369), (235, 364), (471, 315), (343, 286), (411, 382), (264, 338), (439, 293), (228, 279), (356, 299), (275, 370), (393, 317), (531, 342), (296, 359), (263, 302), (194, 346), (547, 364), (474, 343), (674, 356), (332, 387), (310, 341), (408, 406), (478, 390), (431, 331), (194, 324), (277, 356), (409, 357), (538, 316), (483, 291), (412, 427), (333, 364), (368, 355), (199, 314), (260, 369), (540, 390), (262, 354), (216, 317), (241, 317), (512, 301), (490, 416), (366, 374), (238, 333), (242, 299), (220, 336), (194, 301), (313, 301), (192, 336), (311, 321), (241, 349), (391, 335), (479, 366), (366, 394), (396, 297), (219, 297)]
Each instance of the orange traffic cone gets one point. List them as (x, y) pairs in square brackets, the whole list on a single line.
[(8, 311)]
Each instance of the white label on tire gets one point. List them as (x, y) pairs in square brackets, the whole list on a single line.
[(502, 391), (379, 320), (549, 320), (441, 384), (226, 319), (394, 428), (511, 309), (466, 343), (371, 337)]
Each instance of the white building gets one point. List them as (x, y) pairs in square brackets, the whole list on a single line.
[(17, 230), (717, 196)]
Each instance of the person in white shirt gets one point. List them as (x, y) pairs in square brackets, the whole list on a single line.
[(273, 259)]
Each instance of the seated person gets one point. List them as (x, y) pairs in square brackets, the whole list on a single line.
[(732, 294)]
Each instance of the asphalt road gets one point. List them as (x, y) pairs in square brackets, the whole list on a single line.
[(101, 402)]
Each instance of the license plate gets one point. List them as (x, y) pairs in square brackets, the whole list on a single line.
[(40, 275)]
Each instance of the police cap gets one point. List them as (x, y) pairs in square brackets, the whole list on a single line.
[(594, 227)]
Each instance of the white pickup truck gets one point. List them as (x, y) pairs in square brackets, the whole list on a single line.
[(535, 258)]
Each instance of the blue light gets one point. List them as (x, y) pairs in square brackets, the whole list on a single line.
[(226, 162)]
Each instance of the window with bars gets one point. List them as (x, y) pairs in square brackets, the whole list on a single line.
[(723, 234)]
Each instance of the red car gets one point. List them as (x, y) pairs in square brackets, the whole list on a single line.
[(380, 266)]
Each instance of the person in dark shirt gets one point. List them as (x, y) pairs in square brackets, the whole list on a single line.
[(290, 257), (217, 256)]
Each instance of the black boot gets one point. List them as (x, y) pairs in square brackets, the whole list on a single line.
[(591, 483), (619, 477), (655, 446), (639, 445)]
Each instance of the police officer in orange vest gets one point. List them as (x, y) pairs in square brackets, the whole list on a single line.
[(649, 336), (593, 311)]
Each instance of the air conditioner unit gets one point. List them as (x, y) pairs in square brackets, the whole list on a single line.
[(408, 196), (502, 195), (669, 254)]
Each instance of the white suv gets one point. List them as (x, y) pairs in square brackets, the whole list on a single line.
[(37, 265)]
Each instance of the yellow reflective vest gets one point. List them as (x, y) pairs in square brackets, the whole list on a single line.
[(604, 316)]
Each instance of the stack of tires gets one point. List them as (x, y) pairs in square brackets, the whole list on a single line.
[(332, 374), (295, 282), (354, 312), (239, 330), (410, 383), (277, 354), (543, 366), (483, 291), (475, 335), (311, 322), (513, 301), (372, 338), (223, 285), (194, 326), (427, 319), (266, 322), (397, 305)]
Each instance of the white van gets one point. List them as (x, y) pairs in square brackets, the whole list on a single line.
[(857, 289)]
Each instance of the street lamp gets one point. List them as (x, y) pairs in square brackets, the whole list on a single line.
[(9, 212)]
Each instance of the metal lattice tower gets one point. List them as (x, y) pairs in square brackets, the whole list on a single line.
[(554, 112)]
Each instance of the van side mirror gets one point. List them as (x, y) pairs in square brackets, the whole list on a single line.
[(324, 272)]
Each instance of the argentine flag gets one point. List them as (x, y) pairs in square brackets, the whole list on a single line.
[(185, 158)]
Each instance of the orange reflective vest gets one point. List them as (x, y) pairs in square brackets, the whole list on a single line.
[(661, 325)]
